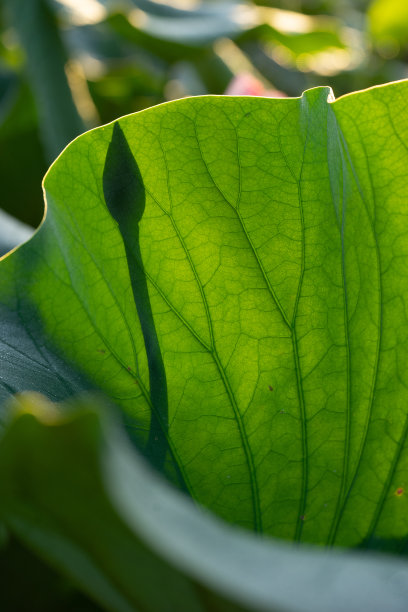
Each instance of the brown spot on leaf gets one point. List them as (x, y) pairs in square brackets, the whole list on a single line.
[(399, 492), (270, 388)]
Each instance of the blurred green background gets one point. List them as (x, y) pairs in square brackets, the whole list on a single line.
[(70, 65)]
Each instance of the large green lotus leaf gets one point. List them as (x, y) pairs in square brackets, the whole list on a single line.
[(232, 273), (74, 490)]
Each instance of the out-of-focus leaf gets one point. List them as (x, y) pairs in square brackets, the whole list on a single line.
[(45, 57), (316, 40), (12, 232), (27, 584), (198, 30), (162, 9), (78, 495), (185, 80), (4, 534), (193, 32), (285, 78), (304, 42), (157, 42), (9, 83), (388, 22), (215, 72), (125, 89), (204, 9), (320, 44), (21, 151)]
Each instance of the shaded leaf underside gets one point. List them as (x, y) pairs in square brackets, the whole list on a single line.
[(271, 252), (135, 531)]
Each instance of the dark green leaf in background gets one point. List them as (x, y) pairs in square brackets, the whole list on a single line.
[(19, 139), (102, 517), (28, 584), (46, 58)]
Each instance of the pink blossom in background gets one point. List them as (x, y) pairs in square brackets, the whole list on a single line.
[(246, 84)]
